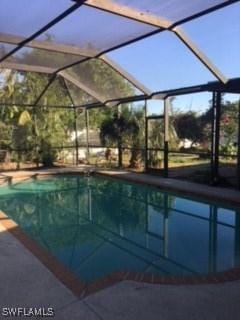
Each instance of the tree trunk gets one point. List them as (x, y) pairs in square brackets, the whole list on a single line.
[(136, 157)]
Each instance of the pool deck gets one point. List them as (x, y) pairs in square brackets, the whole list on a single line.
[(26, 282)]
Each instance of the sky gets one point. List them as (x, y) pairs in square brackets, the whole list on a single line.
[(163, 62), (160, 62)]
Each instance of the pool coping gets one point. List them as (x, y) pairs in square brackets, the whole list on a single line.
[(81, 289)]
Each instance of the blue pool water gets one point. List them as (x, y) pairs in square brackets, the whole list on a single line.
[(96, 226)]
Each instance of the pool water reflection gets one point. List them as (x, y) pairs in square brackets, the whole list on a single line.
[(96, 226)]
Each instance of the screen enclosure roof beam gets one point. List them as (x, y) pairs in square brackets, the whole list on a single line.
[(82, 86), (125, 74), (26, 67), (127, 12), (73, 50), (48, 45), (199, 54), (43, 29)]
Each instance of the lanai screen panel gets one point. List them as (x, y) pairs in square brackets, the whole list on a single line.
[(56, 94), (5, 48), (95, 29), (162, 62), (25, 17), (79, 97), (217, 35), (21, 88), (172, 10), (102, 79), (43, 58)]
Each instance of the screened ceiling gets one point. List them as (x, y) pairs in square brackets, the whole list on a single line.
[(69, 43)]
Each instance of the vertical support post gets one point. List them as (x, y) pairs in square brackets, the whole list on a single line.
[(216, 113), (238, 146), (212, 137), (212, 260), (76, 135), (78, 200), (119, 112), (217, 134), (63, 154), (35, 136), (237, 239), (166, 135), (18, 159), (90, 204), (146, 137), (165, 226), (146, 217), (87, 132)]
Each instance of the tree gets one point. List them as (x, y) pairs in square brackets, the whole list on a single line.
[(38, 127), (188, 126), (43, 128), (125, 128), (138, 138), (229, 122)]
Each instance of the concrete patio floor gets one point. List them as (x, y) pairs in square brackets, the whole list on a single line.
[(25, 282)]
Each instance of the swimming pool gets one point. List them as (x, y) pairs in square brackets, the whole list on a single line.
[(96, 226)]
